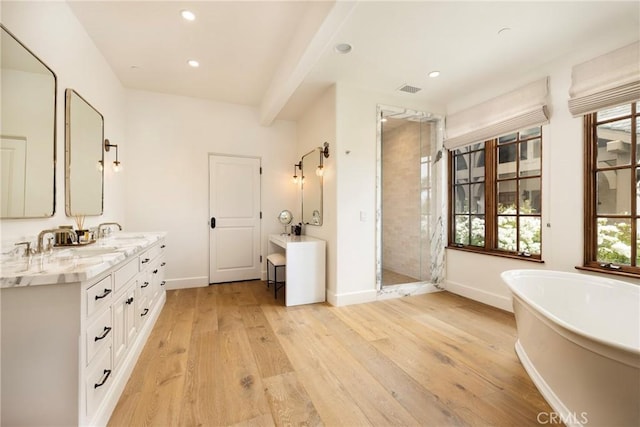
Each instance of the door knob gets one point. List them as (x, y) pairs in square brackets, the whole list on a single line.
[(213, 222)]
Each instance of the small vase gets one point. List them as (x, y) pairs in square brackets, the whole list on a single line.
[(81, 235)]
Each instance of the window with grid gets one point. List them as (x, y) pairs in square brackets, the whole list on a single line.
[(612, 189), (496, 193)]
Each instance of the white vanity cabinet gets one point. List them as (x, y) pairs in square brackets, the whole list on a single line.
[(151, 267), (68, 349), (305, 268)]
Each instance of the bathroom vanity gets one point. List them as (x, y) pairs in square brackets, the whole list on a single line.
[(305, 269), (73, 323)]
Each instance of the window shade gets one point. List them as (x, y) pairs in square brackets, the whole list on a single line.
[(522, 108), (606, 81)]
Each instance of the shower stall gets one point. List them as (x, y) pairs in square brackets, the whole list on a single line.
[(409, 215)]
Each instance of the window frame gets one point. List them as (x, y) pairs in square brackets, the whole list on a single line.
[(491, 179), (590, 260)]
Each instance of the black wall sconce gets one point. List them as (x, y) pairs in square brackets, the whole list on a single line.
[(116, 162), (297, 166), (324, 154)]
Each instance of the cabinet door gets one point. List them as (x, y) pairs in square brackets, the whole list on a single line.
[(119, 329), (124, 323), (130, 316)]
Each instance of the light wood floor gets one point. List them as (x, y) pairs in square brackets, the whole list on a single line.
[(232, 355)]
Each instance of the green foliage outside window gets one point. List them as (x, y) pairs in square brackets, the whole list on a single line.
[(614, 241), (530, 230)]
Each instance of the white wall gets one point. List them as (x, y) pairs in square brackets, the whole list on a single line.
[(52, 32), (355, 162), (169, 139), (477, 276), (317, 125)]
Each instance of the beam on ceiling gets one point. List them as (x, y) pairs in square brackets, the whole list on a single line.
[(300, 60)]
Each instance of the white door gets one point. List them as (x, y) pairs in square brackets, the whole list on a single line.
[(13, 155), (234, 215)]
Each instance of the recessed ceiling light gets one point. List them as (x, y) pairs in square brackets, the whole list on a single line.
[(188, 15), (384, 119), (503, 31), (434, 73), (193, 63), (343, 48)]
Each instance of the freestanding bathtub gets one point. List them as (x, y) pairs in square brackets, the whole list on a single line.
[(579, 341)]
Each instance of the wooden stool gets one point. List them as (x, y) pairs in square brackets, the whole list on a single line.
[(276, 260)]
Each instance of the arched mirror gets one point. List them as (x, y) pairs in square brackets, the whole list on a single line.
[(27, 132), (84, 156)]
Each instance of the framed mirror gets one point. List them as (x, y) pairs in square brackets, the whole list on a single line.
[(311, 189), (84, 156), (27, 132)]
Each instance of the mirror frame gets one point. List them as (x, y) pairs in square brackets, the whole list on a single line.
[(55, 126), (319, 179), (67, 155)]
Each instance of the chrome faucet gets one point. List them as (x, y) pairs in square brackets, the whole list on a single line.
[(27, 250), (107, 224), (71, 233)]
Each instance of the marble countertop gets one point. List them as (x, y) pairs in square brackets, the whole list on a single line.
[(283, 239), (76, 263)]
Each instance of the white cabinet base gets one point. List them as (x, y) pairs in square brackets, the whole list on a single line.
[(305, 270), (68, 349), (123, 372)]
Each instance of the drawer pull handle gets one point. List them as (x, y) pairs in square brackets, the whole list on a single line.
[(144, 313), (146, 260), (107, 372), (129, 301), (163, 283), (145, 285), (104, 294), (107, 329), (163, 264), (155, 271), (163, 246)]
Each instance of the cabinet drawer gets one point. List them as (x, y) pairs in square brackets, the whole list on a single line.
[(99, 334), (99, 295), (98, 381), (124, 274), (148, 256)]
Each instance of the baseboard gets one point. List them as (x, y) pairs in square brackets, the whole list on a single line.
[(351, 297), (489, 298), (187, 282)]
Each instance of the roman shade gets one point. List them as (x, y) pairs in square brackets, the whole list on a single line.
[(519, 109), (606, 81)]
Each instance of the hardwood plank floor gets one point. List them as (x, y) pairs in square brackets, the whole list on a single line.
[(231, 355)]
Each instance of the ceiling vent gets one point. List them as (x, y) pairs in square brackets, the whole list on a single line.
[(409, 88)]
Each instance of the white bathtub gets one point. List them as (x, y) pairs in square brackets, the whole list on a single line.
[(579, 341)]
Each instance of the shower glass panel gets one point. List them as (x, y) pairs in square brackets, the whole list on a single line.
[(405, 196)]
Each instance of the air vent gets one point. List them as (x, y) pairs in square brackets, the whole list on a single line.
[(409, 89)]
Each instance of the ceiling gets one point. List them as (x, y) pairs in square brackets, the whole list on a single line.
[(279, 55)]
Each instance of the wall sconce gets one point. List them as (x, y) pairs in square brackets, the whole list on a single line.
[(324, 153), (116, 164), (296, 166)]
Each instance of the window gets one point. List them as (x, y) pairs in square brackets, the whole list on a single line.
[(612, 189), (496, 194)]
